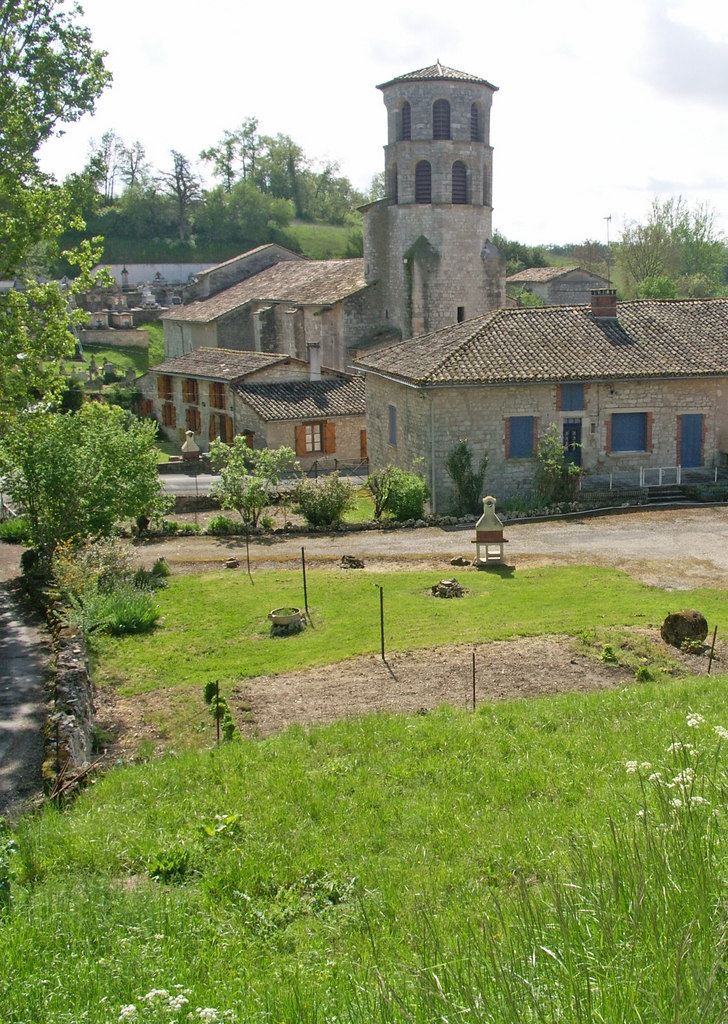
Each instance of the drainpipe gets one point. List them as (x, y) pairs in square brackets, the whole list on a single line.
[(433, 497)]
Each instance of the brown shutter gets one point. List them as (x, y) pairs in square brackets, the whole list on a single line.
[(161, 387), (535, 435), (363, 444), (558, 398), (212, 431), (609, 433), (190, 418), (300, 439), (678, 441), (648, 433), (508, 436), (328, 431), (228, 429)]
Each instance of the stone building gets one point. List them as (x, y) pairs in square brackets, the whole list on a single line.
[(428, 245), (558, 286), (642, 385), (429, 259), (269, 397)]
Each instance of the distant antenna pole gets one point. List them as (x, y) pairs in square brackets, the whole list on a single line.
[(609, 252)]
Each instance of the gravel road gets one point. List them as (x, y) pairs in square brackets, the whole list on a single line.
[(675, 548)]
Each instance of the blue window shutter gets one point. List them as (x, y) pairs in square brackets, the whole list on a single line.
[(572, 397), (629, 432), (521, 437)]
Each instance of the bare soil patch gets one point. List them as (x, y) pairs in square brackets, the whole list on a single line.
[(418, 680)]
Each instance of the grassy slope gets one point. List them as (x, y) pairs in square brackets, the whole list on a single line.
[(215, 625), (381, 842)]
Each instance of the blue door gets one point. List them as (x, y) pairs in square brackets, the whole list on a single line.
[(691, 440)]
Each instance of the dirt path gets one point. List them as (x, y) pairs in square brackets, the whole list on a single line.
[(675, 549)]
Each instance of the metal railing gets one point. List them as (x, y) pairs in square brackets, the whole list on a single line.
[(324, 467), (651, 476)]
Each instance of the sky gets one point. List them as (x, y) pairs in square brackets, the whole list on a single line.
[(600, 106)]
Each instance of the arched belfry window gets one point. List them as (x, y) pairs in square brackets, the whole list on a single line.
[(474, 123), (441, 119), (423, 182), (406, 121), (394, 185), (459, 183)]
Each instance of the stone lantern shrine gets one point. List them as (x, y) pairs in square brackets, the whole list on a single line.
[(489, 539)]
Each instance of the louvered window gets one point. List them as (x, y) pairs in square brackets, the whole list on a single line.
[(423, 182), (459, 183), (474, 133), (406, 121), (441, 119)]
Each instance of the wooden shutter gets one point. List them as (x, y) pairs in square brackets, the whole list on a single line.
[(558, 398), (678, 442), (300, 439), (328, 438), (164, 388), (363, 444), (147, 407), (508, 436), (228, 425), (213, 426), (648, 432), (609, 434)]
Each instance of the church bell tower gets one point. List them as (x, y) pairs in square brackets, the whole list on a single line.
[(428, 245)]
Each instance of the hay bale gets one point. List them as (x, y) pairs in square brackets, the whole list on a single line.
[(685, 625)]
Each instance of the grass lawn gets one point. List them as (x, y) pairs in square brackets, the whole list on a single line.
[(363, 510), (427, 868), (215, 625), (321, 241)]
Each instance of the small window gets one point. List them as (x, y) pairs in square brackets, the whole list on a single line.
[(441, 119), (629, 432), (459, 183), (393, 425), (461, 314), (217, 395), (165, 387), (406, 122), (474, 123), (221, 426), (314, 439), (520, 437), (190, 391), (572, 397), (423, 182)]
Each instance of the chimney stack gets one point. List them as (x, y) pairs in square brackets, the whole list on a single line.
[(604, 303), (314, 361)]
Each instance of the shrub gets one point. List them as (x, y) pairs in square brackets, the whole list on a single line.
[(15, 531), (399, 493), (179, 529), (222, 526), (556, 476), (608, 654), (210, 692), (468, 481), (643, 675), (323, 502), (128, 610)]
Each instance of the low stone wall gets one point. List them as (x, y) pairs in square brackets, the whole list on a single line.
[(115, 337), (71, 724)]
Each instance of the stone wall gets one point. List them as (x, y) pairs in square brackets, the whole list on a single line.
[(71, 724), (116, 337), (479, 414)]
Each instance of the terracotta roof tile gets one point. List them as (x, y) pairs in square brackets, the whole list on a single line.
[(305, 399), (648, 339), (437, 71), (541, 274), (305, 282), (219, 363)]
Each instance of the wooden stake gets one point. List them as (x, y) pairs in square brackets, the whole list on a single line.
[(381, 617), (247, 555), (217, 709), (473, 680), (712, 649), (305, 588)]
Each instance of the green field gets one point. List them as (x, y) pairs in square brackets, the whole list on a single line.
[(215, 625)]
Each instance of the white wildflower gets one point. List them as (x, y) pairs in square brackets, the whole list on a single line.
[(208, 1015), (641, 814), (677, 802), (156, 993), (127, 1011), (177, 1002), (694, 721), (684, 778), (698, 800), (677, 746), (631, 767), (655, 777), (721, 732), (645, 766)]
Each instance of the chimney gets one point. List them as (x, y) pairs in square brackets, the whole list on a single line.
[(604, 303), (314, 360)]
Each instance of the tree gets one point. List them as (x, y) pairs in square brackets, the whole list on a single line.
[(185, 186), (77, 475), (248, 475), (518, 256), (556, 476), (133, 165), (243, 215), (399, 493), (468, 481), (106, 157), (657, 288), (223, 158), (49, 75)]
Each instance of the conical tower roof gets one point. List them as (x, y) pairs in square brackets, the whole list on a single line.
[(436, 72)]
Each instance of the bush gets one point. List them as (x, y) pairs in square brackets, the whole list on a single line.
[(179, 529), (222, 526), (468, 481), (556, 477), (323, 502), (400, 494), (15, 531), (128, 610)]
